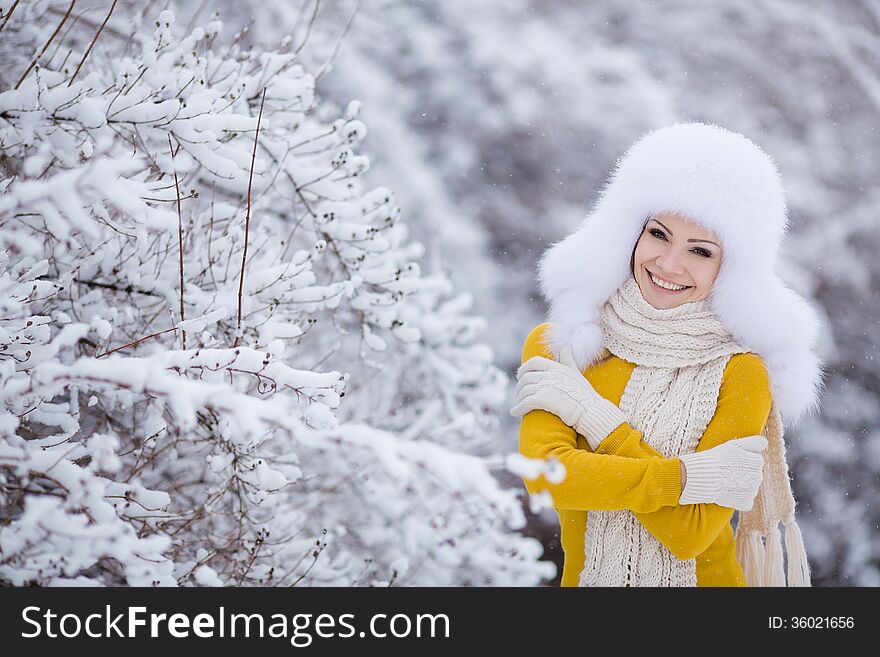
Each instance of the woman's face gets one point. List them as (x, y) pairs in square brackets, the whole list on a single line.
[(680, 252)]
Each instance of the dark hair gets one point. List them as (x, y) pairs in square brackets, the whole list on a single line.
[(632, 258)]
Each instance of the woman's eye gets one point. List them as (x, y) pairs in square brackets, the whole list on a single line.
[(659, 234)]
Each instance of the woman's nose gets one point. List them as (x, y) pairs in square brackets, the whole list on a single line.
[(670, 263)]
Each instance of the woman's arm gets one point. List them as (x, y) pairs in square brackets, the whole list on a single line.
[(593, 481), (743, 408)]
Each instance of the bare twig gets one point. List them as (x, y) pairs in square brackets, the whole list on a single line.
[(247, 220), (309, 26), (326, 65), (92, 44), (46, 46), (128, 289), (131, 344), (89, 23), (9, 14), (258, 543), (179, 238), (192, 20)]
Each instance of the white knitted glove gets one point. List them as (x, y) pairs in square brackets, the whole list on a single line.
[(729, 474), (561, 389)]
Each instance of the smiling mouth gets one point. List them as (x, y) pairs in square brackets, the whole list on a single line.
[(663, 289)]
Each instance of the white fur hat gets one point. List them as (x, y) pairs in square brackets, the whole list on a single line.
[(724, 182)]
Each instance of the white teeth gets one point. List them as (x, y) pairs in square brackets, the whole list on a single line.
[(664, 285)]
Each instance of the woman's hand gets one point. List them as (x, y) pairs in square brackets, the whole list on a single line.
[(728, 474), (560, 388)]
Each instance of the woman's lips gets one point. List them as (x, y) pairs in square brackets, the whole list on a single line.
[(663, 290)]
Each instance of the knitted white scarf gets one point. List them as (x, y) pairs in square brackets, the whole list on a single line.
[(680, 355)]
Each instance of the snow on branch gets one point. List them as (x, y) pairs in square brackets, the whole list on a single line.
[(220, 362)]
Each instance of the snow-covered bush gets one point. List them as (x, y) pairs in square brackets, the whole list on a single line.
[(219, 360)]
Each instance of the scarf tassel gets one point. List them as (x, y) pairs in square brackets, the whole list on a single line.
[(773, 575), (762, 563), (798, 565), (750, 554)]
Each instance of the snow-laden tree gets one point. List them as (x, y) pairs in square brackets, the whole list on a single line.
[(219, 360), (508, 115)]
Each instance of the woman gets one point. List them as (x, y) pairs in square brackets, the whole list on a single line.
[(671, 346)]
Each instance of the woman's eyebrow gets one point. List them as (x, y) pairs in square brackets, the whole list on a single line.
[(690, 240)]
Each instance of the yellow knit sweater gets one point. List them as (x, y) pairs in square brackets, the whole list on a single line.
[(625, 472)]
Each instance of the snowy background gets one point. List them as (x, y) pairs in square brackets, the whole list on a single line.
[(481, 134)]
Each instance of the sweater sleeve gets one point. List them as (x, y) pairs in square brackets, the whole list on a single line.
[(743, 408), (593, 481)]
